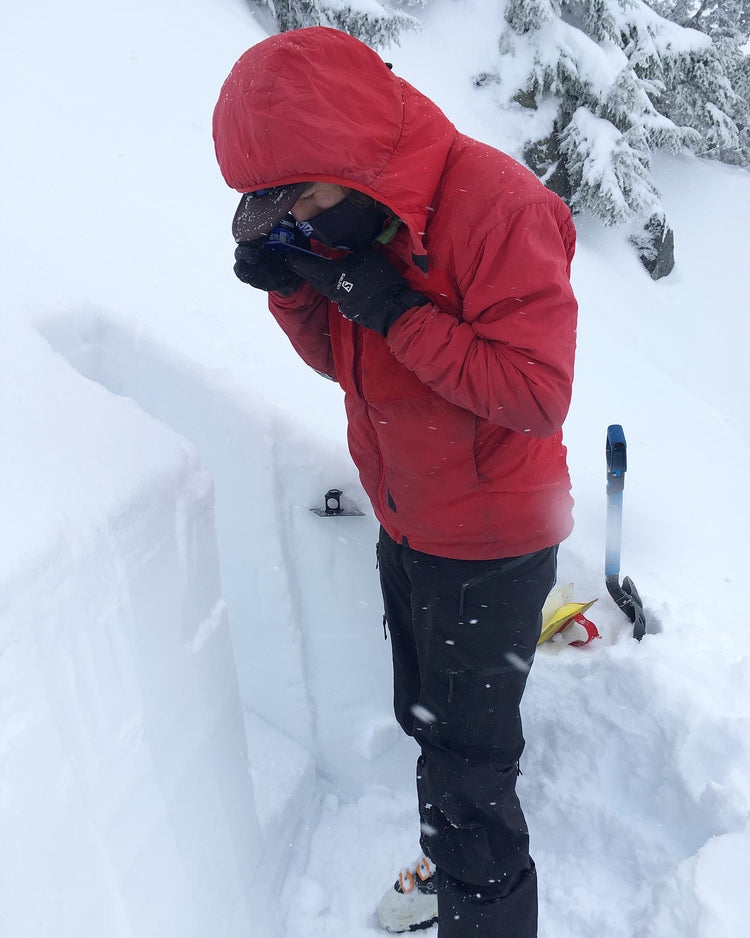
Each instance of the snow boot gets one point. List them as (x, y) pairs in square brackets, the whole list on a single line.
[(411, 903)]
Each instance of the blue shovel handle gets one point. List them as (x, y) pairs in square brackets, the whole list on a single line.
[(617, 464), (626, 595)]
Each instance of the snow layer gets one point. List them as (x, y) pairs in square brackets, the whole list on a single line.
[(195, 725)]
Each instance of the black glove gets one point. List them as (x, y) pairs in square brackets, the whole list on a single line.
[(367, 288), (264, 268)]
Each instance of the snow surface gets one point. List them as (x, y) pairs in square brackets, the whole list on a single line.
[(195, 726)]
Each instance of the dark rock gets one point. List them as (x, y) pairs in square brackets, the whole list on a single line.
[(525, 99), (543, 158), (655, 246)]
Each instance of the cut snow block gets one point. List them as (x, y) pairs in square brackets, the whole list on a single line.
[(126, 802)]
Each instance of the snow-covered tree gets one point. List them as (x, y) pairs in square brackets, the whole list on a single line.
[(592, 88), (722, 20), (609, 169), (376, 23), (710, 90), (595, 69)]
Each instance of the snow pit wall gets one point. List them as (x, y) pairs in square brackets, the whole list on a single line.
[(302, 592), (126, 802)]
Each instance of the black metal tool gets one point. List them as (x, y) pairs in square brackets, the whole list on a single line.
[(333, 507)]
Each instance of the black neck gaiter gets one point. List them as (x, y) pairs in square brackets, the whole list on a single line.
[(345, 225)]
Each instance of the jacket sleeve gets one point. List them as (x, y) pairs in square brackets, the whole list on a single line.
[(304, 318), (509, 356)]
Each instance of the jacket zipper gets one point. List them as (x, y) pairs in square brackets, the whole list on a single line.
[(356, 359)]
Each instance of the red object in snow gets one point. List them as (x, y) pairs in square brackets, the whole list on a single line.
[(591, 630)]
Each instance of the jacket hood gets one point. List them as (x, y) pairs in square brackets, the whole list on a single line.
[(316, 104)]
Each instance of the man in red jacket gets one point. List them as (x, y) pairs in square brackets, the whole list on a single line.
[(428, 274)]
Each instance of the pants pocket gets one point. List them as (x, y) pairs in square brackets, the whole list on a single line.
[(481, 717)]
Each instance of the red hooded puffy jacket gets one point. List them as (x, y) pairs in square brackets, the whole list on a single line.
[(454, 419)]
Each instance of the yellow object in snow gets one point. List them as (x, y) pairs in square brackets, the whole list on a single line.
[(559, 610)]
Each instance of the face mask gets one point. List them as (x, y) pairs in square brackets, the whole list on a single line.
[(345, 225)]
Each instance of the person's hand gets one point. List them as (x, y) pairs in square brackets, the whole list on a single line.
[(263, 268), (367, 288)]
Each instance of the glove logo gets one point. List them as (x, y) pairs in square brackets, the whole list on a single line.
[(344, 284)]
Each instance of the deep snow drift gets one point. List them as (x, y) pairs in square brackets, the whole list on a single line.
[(163, 446)]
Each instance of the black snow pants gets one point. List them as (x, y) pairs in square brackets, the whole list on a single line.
[(463, 636)]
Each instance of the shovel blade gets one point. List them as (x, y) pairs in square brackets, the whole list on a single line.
[(627, 598)]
